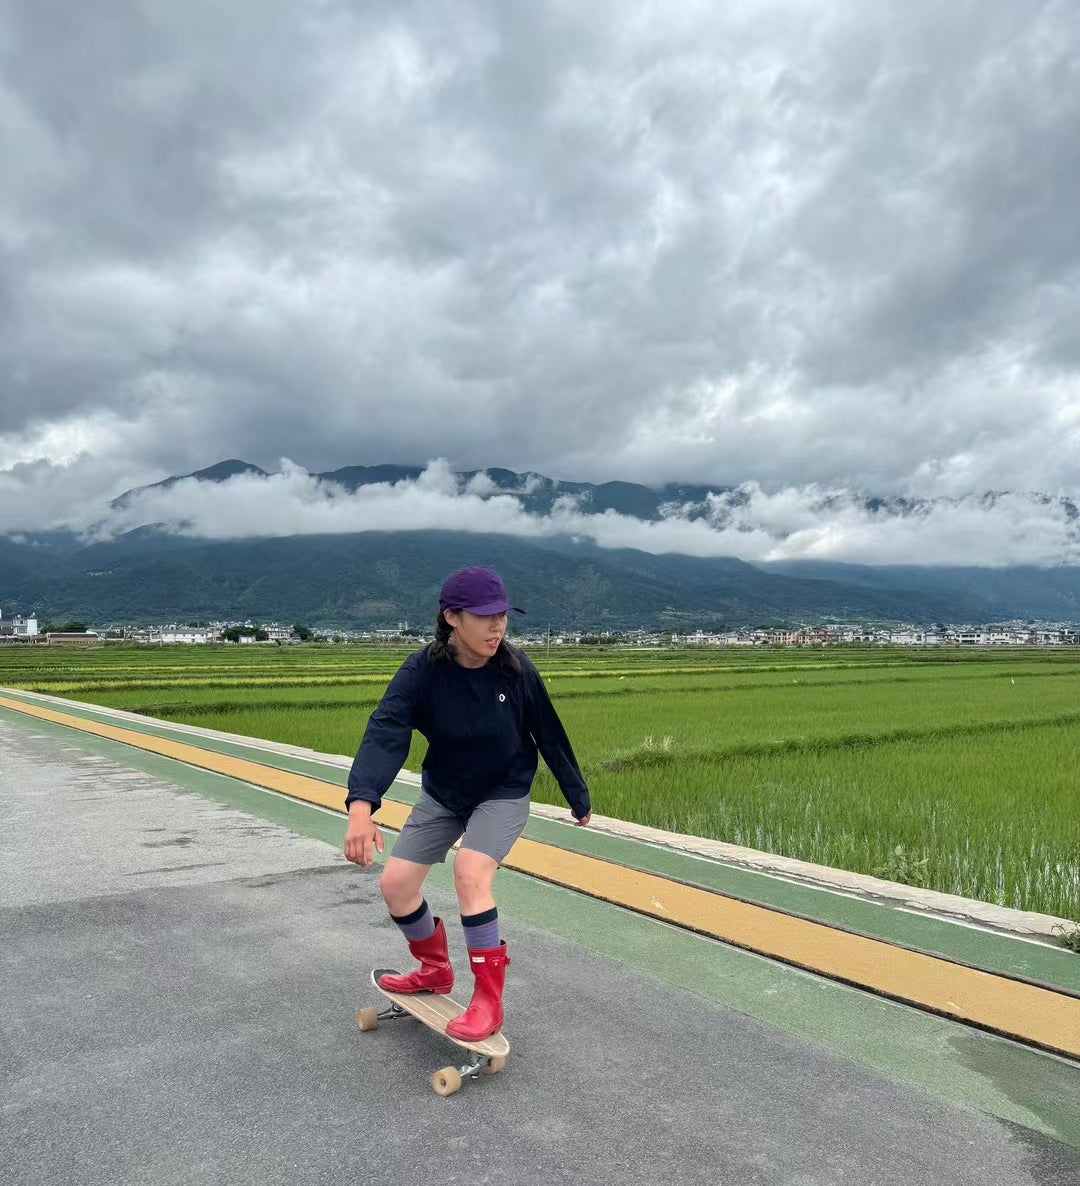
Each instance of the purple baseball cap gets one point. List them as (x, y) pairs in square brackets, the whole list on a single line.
[(478, 590)]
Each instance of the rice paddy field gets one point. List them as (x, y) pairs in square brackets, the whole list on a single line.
[(956, 770)]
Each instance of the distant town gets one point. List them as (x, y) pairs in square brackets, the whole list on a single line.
[(26, 630)]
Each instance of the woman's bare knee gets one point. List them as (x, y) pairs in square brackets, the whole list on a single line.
[(474, 873), (401, 884)]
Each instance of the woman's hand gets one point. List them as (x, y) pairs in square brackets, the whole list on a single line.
[(363, 837), (583, 822)]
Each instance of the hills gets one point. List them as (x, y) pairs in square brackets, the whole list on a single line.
[(374, 578)]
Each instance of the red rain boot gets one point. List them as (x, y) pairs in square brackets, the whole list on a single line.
[(435, 973), (484, 1015)]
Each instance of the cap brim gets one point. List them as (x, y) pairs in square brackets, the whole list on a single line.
[(492, 607)]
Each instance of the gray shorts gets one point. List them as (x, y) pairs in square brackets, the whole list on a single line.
[(431, 830)]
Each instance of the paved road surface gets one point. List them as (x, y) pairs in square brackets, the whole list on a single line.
[(177, 1005)]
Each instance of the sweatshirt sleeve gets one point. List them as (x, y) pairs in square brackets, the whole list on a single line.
[(554, 746), (386, 741)]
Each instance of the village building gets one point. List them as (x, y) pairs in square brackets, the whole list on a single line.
[(18, 626), (68, 638), (196, 637)]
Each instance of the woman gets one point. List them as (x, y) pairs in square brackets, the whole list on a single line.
[(486, 714)]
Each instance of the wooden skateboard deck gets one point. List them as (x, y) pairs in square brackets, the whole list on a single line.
[(436, 1012)]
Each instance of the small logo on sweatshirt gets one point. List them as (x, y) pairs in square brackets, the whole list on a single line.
[(502, 697)]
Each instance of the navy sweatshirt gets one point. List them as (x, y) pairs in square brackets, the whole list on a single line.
[(483, 726)]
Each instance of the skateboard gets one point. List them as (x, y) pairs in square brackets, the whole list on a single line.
[(485, 1057)]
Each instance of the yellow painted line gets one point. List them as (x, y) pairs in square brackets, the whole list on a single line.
[(296, 786), (1023, 1011), (1026, 1012)]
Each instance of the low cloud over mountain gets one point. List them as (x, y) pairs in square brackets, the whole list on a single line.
[(237, 500)]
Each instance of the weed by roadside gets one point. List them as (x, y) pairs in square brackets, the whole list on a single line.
[(1070, 937), (901, 866)]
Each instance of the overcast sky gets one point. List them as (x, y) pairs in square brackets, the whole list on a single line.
[(827, 248)]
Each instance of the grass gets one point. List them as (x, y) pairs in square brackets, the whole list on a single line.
[(947, 769), (962, 809)]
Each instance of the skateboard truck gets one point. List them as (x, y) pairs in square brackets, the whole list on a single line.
[(449, 1079)]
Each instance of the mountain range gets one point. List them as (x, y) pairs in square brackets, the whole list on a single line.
[(536, 493), (376, 578)]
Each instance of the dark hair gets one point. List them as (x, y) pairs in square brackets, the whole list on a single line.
[(442, 649)]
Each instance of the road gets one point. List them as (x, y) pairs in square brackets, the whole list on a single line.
[(180, 981)]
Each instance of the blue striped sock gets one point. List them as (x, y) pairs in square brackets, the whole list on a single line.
[(417, 926), (481, 930)]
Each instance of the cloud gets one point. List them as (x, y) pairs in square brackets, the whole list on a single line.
[(38, 495), (811, 522), (810, 246)]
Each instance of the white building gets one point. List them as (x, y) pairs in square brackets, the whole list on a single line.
[(19, 626), (914, 638), (200, 637)]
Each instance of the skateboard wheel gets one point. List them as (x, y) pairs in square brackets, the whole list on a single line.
[(446, 1081), (368, 1019), (495, 1066)]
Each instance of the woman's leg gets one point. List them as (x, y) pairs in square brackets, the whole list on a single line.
[(474, 873), (474, 876), (428, 835), (402, 890), (491, 832), (401, 886), (426, 838)]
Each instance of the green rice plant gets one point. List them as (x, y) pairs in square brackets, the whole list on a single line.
[(991, 814), (950, 770)]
